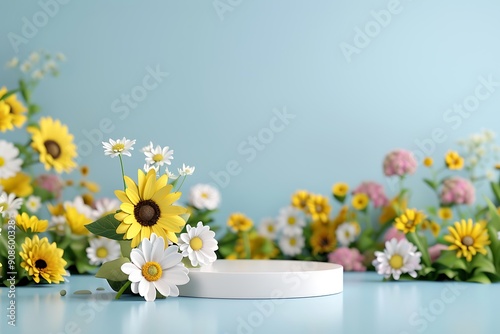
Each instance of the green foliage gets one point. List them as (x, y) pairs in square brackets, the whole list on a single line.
[(105, 227), (112, 270)]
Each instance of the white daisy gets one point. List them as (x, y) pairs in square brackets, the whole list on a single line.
[(58, 224), (171, 175), (199, 244), (34, 203), (268, 228), (186, 170), (60, 56), (398, 257), (25, 67), (291, 244), (102, 250), (105, 206), (37, 74), (10, 204), (148, 148), (13, 62), (346, 233), (120, 146), (155, 268), (10, 164), (158, 155), (34, 57), (148, 167), (291, 220), (204, 196)]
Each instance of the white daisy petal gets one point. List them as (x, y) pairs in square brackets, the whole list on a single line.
[(203, 241)]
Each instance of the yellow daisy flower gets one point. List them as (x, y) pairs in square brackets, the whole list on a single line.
[(453, 160), (25, 223), (300, 198), (323, 239), (239, 222), (56, 210), (389, 212), (360, 201), (318, 208), (15, 109), (76, 221), (42, 259), (54, 144), (408, 221), (19, 184), (468, 238), (428, 162), (445, 213), (340, 189), (435, 228), (147, 208)]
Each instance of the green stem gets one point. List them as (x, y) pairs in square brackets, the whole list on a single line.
[(179, 188), (123, 172), (123, 288), (246, 244)]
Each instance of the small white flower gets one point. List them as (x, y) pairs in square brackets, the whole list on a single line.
[(58, 223), (268, 228), (155, 268), (120, 146), (10, 164), (148, 167), (204, 196), (158, 155), (171, 175), (346, 233), (199, 244), (37, 74), (398, 257), (102, 250), (25, 67), (490, 175), (186, 170), (291, 220), (148, 148), (13, 62), (50, 66), (489, 135), (60, 56), (34, 203), (105, 206), (291, 245), (10, 204), (34, 57)]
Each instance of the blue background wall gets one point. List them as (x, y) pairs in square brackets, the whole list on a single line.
[(353, 97)]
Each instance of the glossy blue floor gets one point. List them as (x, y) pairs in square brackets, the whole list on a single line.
[(367, 305)]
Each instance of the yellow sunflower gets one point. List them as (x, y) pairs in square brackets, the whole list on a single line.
[(147, 208), (300, 198), (453, 160), (14, 108), (323, 239), (360, 201), (76, 221), (239, 222), (318, 208), (408, 221), (25, 223), (19, 184), (468, 238), (42, 259), (340, 189), (445, 213), (54, 144)]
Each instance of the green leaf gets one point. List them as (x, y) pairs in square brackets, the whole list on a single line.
[(25, 92), (495, 216), (33, 109), (432, 210), (495, 187), (426, 270), (125, 247), (431, 184), (481, 264), (421, 244), (83, 266), (112, 270), (9, 93), (450, 273), (105, 227), (365, 240), (495, 247), (450, 260), (480, 278)]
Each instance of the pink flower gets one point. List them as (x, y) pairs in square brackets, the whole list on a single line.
[(51, 182), (399, 162), (374, 191), (435, 251), (393, 233), (349, 258), (457, 190)]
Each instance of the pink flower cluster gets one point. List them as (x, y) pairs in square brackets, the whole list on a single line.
[(52, 183), (457, 190), (400, 163), (349, 258), (374, 191)]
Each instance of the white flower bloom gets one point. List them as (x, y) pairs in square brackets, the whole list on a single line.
[(50, 66), (148, 167), (268, 228), (34, 203), (13, 62), (10, 164), (171, 175), (102, 250), (25, 67), (346, 233), (58, 223), (158, 155), (10, 205), (291, 220), (186, 170), (105, 206), (291, 244), (148, 148), (398, 257), (204, 196), (199, 244), (37, 74), (60, 56), (34, 57), (155, 268), (120, 146), (490, 175)]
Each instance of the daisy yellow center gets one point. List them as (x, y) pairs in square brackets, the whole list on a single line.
[(157, 157), (101, 252), (467, 241), (40, 264), (409, 224), (347, 234), (52, 148), (204, 195), (396, 261), (270, 228), (291, 220), (147, 213), (152, 271), (3, 206), (118, 147), (196, 243), (2, 161), (293, 242)]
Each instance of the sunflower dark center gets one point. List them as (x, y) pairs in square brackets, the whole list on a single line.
[(53, 148), (147, 213), (40, 264), (324, 242)]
